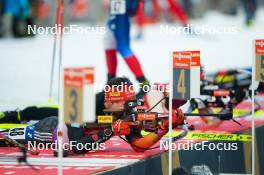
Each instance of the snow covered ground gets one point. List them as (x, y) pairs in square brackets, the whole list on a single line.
[(26, 63)]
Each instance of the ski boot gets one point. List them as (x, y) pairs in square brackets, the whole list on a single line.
[(249, 23)]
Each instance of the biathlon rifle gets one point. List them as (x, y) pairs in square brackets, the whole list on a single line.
[(226, 98), (144, 119)]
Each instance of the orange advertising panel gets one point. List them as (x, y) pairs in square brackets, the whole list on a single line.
[(73, 78), (260, 47), (144, 116), (182, 60), (195, 58), (221, 93), (88, 75), (259, 60), (77, 77)]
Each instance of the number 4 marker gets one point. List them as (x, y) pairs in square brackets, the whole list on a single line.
[(186, 75)]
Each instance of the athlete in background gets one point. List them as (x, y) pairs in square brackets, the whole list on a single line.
[(177, 11), (117, 39), (21, 14), (250, 8), (1, 19), (43, 9), (148, 13), (157, 6), (79, 7), (151, 10)]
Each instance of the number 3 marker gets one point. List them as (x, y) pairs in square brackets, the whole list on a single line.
[(79, 98)]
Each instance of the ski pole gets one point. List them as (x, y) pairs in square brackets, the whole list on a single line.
[(60, 3), (61, 21), (54, 52)]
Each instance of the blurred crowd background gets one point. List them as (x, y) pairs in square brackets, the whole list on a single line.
[(16, 15)]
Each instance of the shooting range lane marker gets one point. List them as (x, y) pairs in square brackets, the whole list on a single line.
[(257, 75), (79, 98), (184, 75)]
